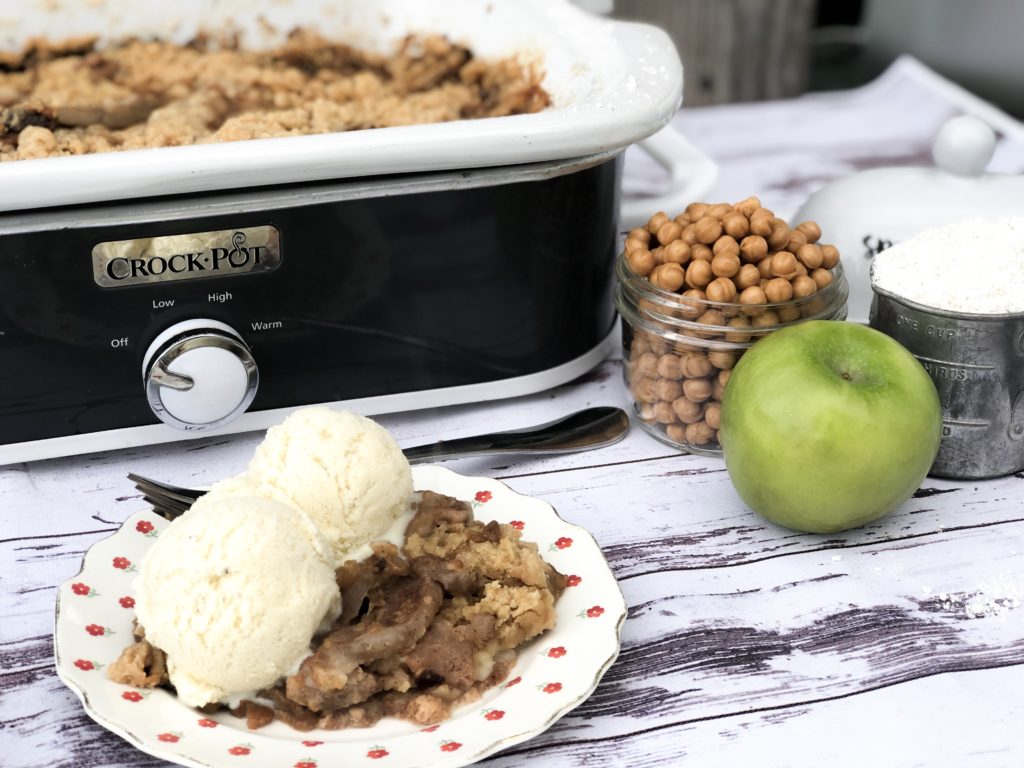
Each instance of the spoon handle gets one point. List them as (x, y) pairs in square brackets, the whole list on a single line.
[(581, 431)]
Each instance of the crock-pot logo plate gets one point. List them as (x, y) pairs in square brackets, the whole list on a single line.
[(123, 263)]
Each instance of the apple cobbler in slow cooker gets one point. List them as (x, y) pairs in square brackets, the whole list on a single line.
[(74, 98), (422, 629)]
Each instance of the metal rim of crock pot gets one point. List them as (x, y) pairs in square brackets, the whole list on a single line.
[(228, 202)]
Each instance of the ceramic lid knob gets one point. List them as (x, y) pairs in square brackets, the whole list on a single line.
[(964, 146)]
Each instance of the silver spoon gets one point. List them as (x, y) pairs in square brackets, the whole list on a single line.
[(580, 431)]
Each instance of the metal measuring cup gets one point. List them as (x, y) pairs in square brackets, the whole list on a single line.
[(977, 364)]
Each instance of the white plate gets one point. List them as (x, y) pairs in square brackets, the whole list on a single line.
[(553, 674)]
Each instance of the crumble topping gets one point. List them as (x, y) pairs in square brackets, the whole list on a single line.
[(71, 98), (422, 630)]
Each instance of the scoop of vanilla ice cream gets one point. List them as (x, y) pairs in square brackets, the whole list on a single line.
[(234, 593), (344, 470), (236, 485)]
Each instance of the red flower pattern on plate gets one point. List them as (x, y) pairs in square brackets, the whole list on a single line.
[(145, 527), (431, 728)]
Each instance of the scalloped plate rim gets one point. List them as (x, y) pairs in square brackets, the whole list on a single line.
[(154, 749)]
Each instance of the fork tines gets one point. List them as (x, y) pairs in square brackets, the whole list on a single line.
[(167, 500)]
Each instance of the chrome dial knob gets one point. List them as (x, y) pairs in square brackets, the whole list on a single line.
[(199, 374)]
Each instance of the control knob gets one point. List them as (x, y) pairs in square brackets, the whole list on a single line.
[(199, 374)]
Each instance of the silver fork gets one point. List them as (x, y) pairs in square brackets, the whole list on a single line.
[(581, 431)]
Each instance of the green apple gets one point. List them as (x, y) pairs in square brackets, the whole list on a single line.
[(828, 425)]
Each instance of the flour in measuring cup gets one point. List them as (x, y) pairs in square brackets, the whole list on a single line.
[(974, 266)]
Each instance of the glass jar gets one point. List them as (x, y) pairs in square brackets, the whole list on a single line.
[(679, 351)]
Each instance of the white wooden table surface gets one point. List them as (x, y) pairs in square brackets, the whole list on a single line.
[(898, 644)]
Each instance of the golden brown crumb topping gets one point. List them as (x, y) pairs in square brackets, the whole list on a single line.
[(71, 98)]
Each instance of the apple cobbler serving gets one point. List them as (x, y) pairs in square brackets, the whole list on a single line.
[(73, 97), (244, 603), (423, 628)]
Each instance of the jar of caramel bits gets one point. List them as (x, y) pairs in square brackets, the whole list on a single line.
[(697, 291)]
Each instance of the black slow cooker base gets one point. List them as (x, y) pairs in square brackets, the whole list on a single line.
[(373, 296)]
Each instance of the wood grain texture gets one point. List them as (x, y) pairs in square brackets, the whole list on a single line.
[(899, 644), (731, 619)]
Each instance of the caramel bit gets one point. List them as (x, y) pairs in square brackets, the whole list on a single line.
[(140, 94), (741, 258)]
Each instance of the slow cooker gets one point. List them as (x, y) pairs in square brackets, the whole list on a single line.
[(162, 294)]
